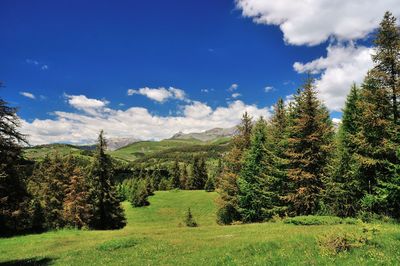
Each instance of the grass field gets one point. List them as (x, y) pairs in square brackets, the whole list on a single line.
[(155, 236)]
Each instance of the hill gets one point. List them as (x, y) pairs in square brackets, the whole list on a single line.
[(169, 149), (208, 135), (40, 151), (155, 235)]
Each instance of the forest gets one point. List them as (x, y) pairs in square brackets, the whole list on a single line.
[(293, 165)]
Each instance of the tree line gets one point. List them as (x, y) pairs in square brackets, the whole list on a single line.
[(297, 164)]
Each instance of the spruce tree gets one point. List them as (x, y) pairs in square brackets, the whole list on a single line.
[(14, 199), (309, 147), (77, 210), (343, 190), (258, 181), (228, 209), (387, 60), (210, 184), (175, 175), (107, 211), (184, 177), (199, 173)]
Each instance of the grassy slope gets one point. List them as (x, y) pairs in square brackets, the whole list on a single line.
[(165, 148), (154, 236), (39, 152)]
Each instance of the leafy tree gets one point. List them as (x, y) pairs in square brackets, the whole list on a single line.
[(189, 219), (77, 210), (107, 211), (14, 199), (309, 147), (228, 209)]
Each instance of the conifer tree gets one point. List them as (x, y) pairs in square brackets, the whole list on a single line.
[(259, 178), (184, 177), (210, 184), (309, 147), (14, 199), (77, 210), (343, 191), (387, 60), (139, 193), (175, 175), (189, 219), (199, 174), (107, 211), (228, 209)]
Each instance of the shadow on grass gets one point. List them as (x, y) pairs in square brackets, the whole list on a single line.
[(29, 262)]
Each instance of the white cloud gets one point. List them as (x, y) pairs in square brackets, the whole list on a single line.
[(268, 88), (36, 64), (160, 94), (236, 95), (45, 67), (90, 106), (135, 122), (233, 87), (342, 66), (312, 22), (27, 94)]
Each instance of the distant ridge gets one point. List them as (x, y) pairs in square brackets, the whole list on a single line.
[(207, 135)]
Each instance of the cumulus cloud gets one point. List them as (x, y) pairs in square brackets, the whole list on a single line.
[(90, 106), (236, 95), (28, 95), (233, 87), (268, 88), (160, 94), (342, 66), (83, 127), (37, 64), (311, 22)]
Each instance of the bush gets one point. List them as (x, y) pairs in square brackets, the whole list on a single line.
[(337, 242), (189, 220), (319, 220)]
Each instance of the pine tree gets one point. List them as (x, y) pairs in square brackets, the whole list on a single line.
[(55, 180), (199, 174), (175, 175), (258, 191), (139, 193), (387, 59), (210, 184), (343, 191), (228, 209), (184, 177), (376, 150), (309, 147), (14, 199), (107, 211), (189, 219), (77, 210)]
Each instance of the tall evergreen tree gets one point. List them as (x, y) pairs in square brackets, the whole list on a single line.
[(175, 175), (387, 60), (309, 147), (77, 210), (228, 209), (184, 179), (199, 174), (107, 211), (258, 191), (210, 184), (14, 199), (343, 191)]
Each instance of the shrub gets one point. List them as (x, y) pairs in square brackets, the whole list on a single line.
[(319, 220), (189, 220)]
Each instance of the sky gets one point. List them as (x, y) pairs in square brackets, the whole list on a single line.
[(148, 69)]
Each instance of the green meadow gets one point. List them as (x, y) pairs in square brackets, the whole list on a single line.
[(156, 235)]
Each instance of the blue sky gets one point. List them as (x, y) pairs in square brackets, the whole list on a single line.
[(69, 65)]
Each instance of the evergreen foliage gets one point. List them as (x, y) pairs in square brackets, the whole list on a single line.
[(107, 211), (210, 184), (199, 174), (309, 147), (228, 209), (175, 175), (189, 219)]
